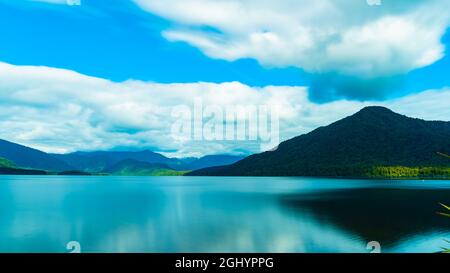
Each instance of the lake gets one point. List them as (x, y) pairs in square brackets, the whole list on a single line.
[(235, 214)]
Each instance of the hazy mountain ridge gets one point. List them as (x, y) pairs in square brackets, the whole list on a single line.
[(99, 161), (15, 158)]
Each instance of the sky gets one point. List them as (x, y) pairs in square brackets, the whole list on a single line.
[(106, 75)]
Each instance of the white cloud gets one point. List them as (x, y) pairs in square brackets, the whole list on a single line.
[(342, 36), (60, 110)]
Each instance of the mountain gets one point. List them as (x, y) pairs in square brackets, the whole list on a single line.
[(95, 162), (25, 157), (211, 161), (375, 142), (130, 167), (10, 168), (15, 171)]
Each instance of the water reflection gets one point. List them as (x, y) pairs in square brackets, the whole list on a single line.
[(388, 215), (192, 214)]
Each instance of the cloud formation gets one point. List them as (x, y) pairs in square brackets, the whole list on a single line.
[(346, 38), (59, 110), (318, 36)]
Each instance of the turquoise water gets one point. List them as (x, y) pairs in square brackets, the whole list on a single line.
[(202, 214)]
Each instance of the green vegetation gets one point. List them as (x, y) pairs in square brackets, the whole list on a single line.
[(444, 155), (147, 172), (446, 214), (124, 168), (5, 163), (7, 167), (131, 167), (399, 172)]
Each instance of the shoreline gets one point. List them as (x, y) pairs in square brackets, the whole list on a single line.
[(309, 177)]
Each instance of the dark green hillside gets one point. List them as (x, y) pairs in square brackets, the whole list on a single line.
[(14, 171), (130, 167), (5, 163), (375, 142)]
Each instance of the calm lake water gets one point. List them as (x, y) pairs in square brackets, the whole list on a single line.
[(202, 214)]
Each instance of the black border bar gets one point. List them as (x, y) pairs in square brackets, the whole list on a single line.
[(233, 262)]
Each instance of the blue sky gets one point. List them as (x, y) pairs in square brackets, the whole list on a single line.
[(433, 76), (118, 41), (107, 75)]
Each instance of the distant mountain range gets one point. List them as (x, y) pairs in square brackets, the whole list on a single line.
[(15, 159), (373, 143), (140, 168), (29, 158), (96, 162)]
